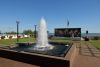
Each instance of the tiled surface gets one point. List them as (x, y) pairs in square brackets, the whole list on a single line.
[(11, 63), (88, 56)]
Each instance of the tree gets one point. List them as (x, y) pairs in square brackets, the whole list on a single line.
[(12, 32), (0, 32), (28, 32)]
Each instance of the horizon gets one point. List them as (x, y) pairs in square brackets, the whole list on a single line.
[(80, 14)]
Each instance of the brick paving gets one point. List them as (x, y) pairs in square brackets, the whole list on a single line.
[(11, 63), (88, 56)]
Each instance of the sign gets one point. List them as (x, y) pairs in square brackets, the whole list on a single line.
[(68, 32)]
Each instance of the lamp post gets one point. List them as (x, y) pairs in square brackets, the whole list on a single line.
[(86, 33), (35, 31), (17, 22)]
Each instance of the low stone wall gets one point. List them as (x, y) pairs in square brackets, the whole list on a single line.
[(35, 59), (71, 54)]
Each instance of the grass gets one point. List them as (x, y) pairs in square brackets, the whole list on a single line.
[(64, 41), (60, 39), (14, 41), (96, 43)]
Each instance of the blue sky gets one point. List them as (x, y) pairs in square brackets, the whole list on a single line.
[(80, 13)]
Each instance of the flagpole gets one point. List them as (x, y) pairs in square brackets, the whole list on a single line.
[(67, 26), (67, 23)]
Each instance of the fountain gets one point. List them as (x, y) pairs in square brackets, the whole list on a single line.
[(42, 53), (42, 39), (42, 46)]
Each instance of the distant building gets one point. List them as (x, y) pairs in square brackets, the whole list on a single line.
[(12, 36)]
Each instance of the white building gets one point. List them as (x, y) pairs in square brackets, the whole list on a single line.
[(13, 36), (26, 35), (0, 37)]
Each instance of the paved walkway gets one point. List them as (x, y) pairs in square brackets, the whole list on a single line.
[(88, 56), (4, 62)]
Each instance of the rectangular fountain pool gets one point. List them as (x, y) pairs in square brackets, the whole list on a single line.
[(24, 53), (58, 50)]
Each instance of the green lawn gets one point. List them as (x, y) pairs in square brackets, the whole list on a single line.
[(60, 39), (14, 41), (96, 43)]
